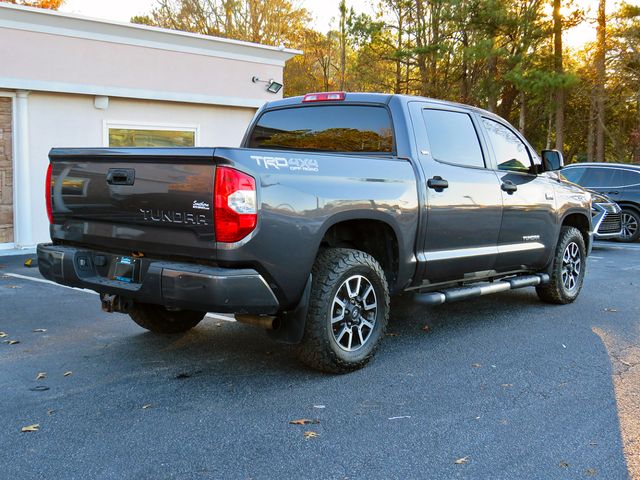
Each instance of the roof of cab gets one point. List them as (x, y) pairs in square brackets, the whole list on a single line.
[(381, 98)]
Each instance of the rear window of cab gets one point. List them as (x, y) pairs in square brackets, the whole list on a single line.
[(325, 128)]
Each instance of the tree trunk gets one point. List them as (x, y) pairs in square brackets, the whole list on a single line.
[(343, 43), (522, 120), (549, 125), (420, 43), (492, 94), (600, 80), (465, 88), (591, 127), (557, 60)]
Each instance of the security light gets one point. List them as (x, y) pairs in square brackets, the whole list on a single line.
[(272, 85)]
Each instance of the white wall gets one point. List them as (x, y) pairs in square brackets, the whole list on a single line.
[(64, 120)]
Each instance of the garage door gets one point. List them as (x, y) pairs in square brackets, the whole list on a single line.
[(6, 172)]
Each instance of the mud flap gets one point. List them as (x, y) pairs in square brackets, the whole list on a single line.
[(292, 322)]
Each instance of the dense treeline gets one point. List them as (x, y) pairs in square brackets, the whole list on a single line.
[(505, 56)]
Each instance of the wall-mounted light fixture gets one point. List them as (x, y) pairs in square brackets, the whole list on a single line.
[(272, 85)]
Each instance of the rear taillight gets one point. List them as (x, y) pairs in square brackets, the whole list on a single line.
[(324, 97), (235, 205), (47, 194)]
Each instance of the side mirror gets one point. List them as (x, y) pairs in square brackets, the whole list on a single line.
[(552, 160)]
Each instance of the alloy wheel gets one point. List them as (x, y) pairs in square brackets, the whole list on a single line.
[(353, 313), (571, 267), (629, 225)]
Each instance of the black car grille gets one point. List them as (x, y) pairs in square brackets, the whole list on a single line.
[(611, 223)]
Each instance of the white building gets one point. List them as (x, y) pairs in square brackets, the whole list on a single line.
[(70, 81)]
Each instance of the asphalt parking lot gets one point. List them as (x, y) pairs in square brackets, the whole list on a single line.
[(498, 387)]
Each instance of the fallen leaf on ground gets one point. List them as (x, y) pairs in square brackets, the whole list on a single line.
[(564, 464), (591, 472), (66, 374), (400, 417), (39, 330), (12, 342), (507, 385), (12, 286), (391, 334), (183, 375), (462, 460), (610, 310), (28, 262), (2, 334), (308, 435), (426, 328), (50, 411), (41, 375), (304, 421), (476, 365), (146, 405), (31, 428), (318, 406)]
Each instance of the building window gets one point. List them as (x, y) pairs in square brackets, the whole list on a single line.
[(121, 135)]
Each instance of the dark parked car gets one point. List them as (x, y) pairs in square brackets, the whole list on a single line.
[(333, 203), (620, 182)]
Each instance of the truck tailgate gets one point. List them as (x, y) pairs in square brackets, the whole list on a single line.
[(152, 200)]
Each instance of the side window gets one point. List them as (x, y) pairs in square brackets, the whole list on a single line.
[(573, 174), (629, 178), (453, 138), (598, 177), (511, 153)]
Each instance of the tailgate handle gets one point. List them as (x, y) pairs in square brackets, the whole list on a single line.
[(121, 176)]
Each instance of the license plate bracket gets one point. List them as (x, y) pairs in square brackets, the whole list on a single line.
[(126, 269)]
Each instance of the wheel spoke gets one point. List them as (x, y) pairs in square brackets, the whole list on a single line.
[(350, 339), (342, 332), (366, 323), (360, 335), (354, 293)]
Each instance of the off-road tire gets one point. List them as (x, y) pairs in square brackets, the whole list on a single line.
[(636, 235), (158, 319), (319, 348), (555, 291)]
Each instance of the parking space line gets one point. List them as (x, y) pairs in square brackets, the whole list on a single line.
[(216, 316), (49, 282)]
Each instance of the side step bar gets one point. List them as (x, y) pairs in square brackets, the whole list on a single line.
[(460, 293)]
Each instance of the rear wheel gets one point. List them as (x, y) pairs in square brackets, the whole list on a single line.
[(630, 225), (348, 311), (567, 274), (157, 319)]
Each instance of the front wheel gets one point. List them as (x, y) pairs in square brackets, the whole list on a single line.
[(157, 319), (568, 269), (348, 311), (630, 225)]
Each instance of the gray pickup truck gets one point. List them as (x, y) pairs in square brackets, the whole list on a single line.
[(333, 203)]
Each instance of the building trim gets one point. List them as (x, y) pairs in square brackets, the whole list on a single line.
[(70, 25), (134, 93), (107, 124)]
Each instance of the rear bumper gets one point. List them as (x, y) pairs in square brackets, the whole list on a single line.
[(173, 284)]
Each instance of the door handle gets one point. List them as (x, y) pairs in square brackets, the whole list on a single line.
[(437, 183), (509, 187), (121, 176), (615, 192)]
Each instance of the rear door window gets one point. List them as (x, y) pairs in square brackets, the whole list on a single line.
[(598, 177), (453, 138), (629, 178), (325, 128)]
